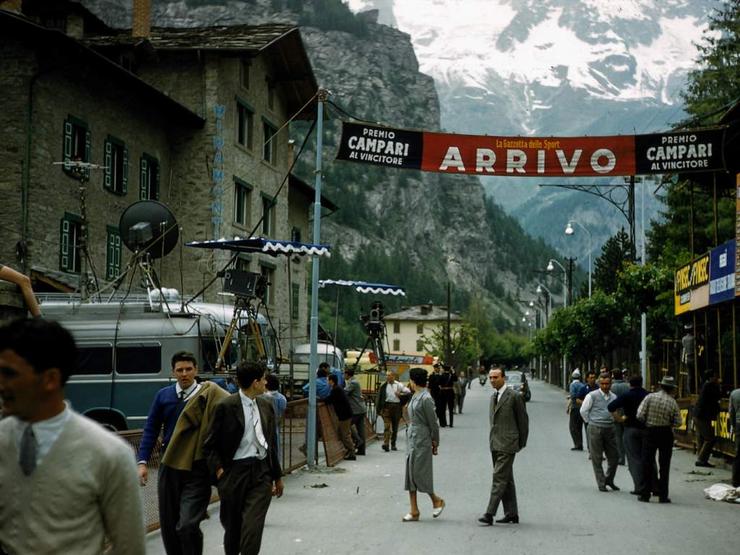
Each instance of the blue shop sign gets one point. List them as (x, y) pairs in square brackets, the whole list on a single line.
[(722, 273)]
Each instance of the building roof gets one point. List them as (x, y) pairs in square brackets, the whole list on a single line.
[(424, 313), (53, 41), (281, 44)]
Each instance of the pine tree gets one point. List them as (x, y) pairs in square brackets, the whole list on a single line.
[(615, 252)]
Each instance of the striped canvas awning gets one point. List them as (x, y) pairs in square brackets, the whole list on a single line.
[(365, 287), (273, 247)]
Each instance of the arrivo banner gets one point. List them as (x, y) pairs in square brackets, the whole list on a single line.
[(676, 152)]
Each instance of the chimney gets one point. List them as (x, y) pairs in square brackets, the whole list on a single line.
[(141, 19)]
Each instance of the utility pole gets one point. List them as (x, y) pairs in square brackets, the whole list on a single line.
[(570, 280), (314, 328), (448, 341)]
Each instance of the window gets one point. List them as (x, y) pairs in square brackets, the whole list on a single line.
[(148, 177), (295, 234), (268, 210), (270, 147), (242, 202), (396, 345), (244, 124), (140, 358), (69, 243), (94, 360), (396, 327), (115, 175), (268, 273), (113, 253), (244, 67), (242, 263), (76, 147), (420, 346), (420, 328), (296, 301)]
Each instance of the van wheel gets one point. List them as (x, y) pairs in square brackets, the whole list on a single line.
[(111, 422)]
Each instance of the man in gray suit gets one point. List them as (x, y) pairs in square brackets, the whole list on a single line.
[(507, 415)]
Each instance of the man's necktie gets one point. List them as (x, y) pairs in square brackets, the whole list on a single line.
[(182, 395), (495, 398), (28, 451), (258, 427)]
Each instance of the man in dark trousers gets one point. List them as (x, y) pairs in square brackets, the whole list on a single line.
[(624, 411), (659, 411), (705, 412), (447, 388), (183, 484), (354, 392), (241, 447), (338, 399), (435, 383), (507, 415)]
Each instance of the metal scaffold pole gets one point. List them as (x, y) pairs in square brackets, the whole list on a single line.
[(314, 330)]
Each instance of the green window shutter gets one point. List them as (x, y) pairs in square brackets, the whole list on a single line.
[(88, 148), (143, 185), (64, 254), (108, 162), (117, 258), (67, 143), (124, 177)]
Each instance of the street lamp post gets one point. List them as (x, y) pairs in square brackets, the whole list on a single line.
[(550, 268), (570, 231), (548, 311)]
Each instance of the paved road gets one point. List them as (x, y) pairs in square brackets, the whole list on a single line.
[(358, 506)]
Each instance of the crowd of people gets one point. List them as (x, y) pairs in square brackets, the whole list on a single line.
[(626, 424)]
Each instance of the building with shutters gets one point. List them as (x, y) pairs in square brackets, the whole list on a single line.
[(193, 118)]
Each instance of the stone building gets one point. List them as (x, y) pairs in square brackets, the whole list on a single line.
[(408, 329), (194, 118)]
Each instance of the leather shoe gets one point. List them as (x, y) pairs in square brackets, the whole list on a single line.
[(664, 500), (350, 458), (486, 519), (603, 488), (509, 519), (704, 464), (576, 448), (633, 492), (385, 448), (611, 485), (393, 448), (644, 499)]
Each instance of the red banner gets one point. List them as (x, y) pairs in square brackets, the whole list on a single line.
[(618, 155), (522, 156)]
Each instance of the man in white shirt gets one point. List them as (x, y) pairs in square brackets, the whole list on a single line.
[(388, 405), (241, 448), (48, 504), (601, 433)]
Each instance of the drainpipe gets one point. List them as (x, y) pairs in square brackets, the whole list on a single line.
[(26, 175)]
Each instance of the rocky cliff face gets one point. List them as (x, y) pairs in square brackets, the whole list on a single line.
[(438, 225)]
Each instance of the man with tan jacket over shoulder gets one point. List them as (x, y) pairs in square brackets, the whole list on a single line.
[(509, 422)]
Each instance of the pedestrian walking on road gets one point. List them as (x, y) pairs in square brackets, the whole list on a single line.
[(353, 389), (705, 412), (659, 411), (422, 442), (279, 403), (183, 483), (509, 429), (624, 410), (602, 437), (242, 455), (68, 485), (620, 387), (389, 406), (435, 389), (460, 391), (447, 387), (575, 422)]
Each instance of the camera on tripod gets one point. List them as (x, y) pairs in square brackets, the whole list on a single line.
[(373, 322)]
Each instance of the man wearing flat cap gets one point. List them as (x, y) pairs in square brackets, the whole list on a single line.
[(659, 411)]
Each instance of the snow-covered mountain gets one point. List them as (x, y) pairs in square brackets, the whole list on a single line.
[(553, 67)]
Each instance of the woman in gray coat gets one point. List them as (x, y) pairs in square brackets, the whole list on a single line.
[(422, 439)]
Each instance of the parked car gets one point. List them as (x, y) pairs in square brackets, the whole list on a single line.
[(518, 382)]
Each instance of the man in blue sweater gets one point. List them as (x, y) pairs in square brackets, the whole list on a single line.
[(183, 494)]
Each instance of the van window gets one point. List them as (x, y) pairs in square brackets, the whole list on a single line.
[(94, 360), (139, 359)]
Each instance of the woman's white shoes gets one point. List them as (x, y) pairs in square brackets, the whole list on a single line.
[(408, 517), (438, 510)]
